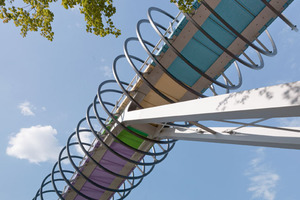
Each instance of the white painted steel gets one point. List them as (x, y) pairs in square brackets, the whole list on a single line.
[(256, 136), (268, 102)]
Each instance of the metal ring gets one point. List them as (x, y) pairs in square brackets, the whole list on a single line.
[(267, 53), (101, 166), (166, 40), (81, 173), (120, 141), (40, 192), (120, 83), (114, 119), (129, 59), (153, 57)]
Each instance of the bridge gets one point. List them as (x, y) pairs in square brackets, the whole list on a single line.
[(168, 99)]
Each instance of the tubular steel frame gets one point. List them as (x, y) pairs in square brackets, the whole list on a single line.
[(126, 92)]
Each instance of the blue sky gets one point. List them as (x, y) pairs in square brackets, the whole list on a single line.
[(46, 87)]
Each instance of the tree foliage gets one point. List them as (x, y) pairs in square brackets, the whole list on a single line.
[(35, 15), (184, 5)]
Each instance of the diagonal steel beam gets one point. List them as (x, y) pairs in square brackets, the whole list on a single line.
[(268, 102), (285, 137)]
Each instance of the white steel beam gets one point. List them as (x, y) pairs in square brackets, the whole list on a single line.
[(256, 136), (275, 101)]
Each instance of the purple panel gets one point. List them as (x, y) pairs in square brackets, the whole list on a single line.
[(111, 162), (91, 191)]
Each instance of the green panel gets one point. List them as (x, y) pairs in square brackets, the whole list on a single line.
[(131, 139)]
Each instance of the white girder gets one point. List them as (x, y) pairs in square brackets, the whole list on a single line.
[(268, 102), (282, 137), (264, 103)]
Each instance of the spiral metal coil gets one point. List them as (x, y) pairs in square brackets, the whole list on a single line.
[(99, 113)]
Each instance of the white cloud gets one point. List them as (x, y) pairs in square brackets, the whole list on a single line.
[(85, 137), (107, 72), (36, 144), (263, 180), (26, 109)]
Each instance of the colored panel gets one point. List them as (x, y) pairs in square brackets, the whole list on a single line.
[(234, 14), (131, 139), (199, 55), (101, 177), (218, 31), (253, 6)]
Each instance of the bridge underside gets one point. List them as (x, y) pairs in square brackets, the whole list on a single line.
[(194, 52)]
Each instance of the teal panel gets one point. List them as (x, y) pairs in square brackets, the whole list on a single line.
[(199, 55), (183, 72), (253, 6), (200, 38), (220, 34), (234, 14)]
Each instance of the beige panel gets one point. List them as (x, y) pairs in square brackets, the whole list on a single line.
[(146, 104), (154, 99), (170, 87)]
